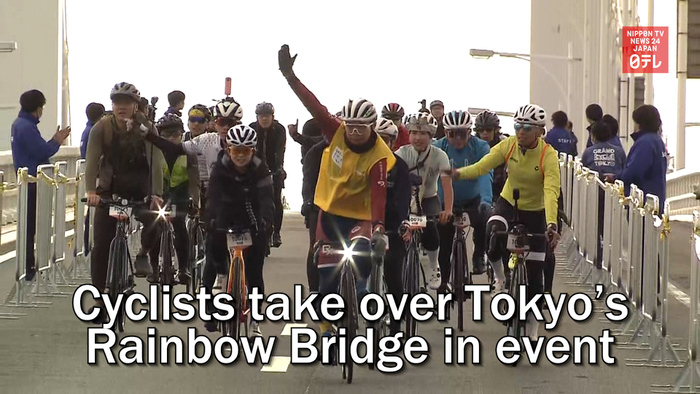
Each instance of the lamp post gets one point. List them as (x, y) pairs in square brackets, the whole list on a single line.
[(487, 53)]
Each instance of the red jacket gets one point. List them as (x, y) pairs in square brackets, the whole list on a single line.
[(402, 139)]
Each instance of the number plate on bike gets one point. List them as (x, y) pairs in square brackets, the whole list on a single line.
[(513, 244), (119, 213), (239, 240), (416, 221), (462, 221)]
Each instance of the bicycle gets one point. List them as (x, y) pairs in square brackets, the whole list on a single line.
[(377, 285), (518, 243), (237, 240), (167, 246), (460, 273), (120, 272), (196, 252)]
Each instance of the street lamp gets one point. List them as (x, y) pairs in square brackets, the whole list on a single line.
[(488, 53)]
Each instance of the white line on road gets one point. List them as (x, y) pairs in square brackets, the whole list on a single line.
[(679, 294), (277, 364), (287, 331)]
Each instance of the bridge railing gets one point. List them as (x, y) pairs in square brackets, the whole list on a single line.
[(680, 186)]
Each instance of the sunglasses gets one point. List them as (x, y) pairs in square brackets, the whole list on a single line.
[(483, 130), (197, 119), (225, 122), (357, 129), (457, 133), (240, 150), (524, 127)]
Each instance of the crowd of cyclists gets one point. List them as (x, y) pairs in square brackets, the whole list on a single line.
[(361, 167)]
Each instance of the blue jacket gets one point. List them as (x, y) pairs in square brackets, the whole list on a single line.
[(29, 149), (465, 190), (561, 140), (604, 158), (84, 139), (646, 166), (615, 140)]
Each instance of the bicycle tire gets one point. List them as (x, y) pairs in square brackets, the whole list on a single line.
[(192, 259), (112, 281), (515, 326), (411, 286), (166, 258), (123, 279), (349, 293), (236, 292), (458, 279), (376, 287)]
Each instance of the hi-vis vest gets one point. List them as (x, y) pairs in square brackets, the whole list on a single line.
[(343, 187), (178, 177)]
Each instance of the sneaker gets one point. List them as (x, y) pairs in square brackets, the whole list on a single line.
[(531, 327), (332, 351), (498, 287), (255, 328), (479, 266), (142, 267), (220, 282), (276, 240), (153, 278), (435, 279)]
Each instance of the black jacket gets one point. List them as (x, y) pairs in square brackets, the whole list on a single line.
[(310, 169), (230, 193), (271, 144), (398, 195)]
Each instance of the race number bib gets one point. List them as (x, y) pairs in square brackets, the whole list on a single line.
[(415, 221), (120, 213), (239, 240), (512, 243), (462, 221)]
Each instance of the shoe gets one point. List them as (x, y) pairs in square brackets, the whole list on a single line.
[(220, 282), (142, 267), (332, 351), (255, 328), (498, 287), (153, 278), (435, 279), (183, 277), (276, 240), (211, 326), (531, 327), (479, 266), (31, 272)]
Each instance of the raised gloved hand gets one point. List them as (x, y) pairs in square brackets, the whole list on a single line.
[(379, 242), (286, 61)]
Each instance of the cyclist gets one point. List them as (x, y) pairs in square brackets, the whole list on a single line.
[(487, 126), (437, 109), (398, 204), (395, 113), (197, 119), (272, 140), (533, 168), (180, 184), (129, 167), (310, 135), (351, 189), (310, 170), (240, 194), (474, 197), (430, 163)]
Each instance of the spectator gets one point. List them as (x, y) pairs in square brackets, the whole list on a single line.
[(614, 127), (594, 113), (272, 141), (606, 159), (559, 137), (29, 149), (574, 139), (310, 135), (94, 112), (143, 106), (176, 100), (646, 163), (437, 109)]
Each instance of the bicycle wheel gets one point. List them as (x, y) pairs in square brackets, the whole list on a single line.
[(192, 258), (348, 292), (376, 286), (123, 279), (166, 258), (458, 280), (411, 285), (515, 326), (236, 292)]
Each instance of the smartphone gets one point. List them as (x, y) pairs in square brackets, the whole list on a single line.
[(227, 87)]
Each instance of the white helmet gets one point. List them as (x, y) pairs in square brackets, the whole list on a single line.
[(531, 114), (242, 135), (125, 89), (422, 121), (360, 111), (228, 108), (385, 127), (457, 120)]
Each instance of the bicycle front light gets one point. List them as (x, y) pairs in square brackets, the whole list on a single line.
[(162, 213)]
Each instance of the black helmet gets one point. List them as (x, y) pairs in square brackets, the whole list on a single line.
[(170, 122), (199, 111), (264, 109), (487, 120)]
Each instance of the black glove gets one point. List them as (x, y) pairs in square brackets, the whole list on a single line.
[(306, 208), (286, 61), (280, 174)]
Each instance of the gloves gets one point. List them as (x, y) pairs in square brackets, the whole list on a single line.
[(380, 243), (280, 175), (485, 210), (306, 208), (286, 61)]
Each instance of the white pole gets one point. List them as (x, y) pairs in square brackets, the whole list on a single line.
[(649, 77), (569, 75), (602, 52), (583, 137), (682, 70), (632, 85)]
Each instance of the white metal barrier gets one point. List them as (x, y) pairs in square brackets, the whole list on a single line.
[(55, 265), (637, 268)]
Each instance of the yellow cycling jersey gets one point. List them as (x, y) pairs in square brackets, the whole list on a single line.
[(343, 187), (535, 172)]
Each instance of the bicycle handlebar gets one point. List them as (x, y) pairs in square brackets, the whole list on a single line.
[(122, 202)]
